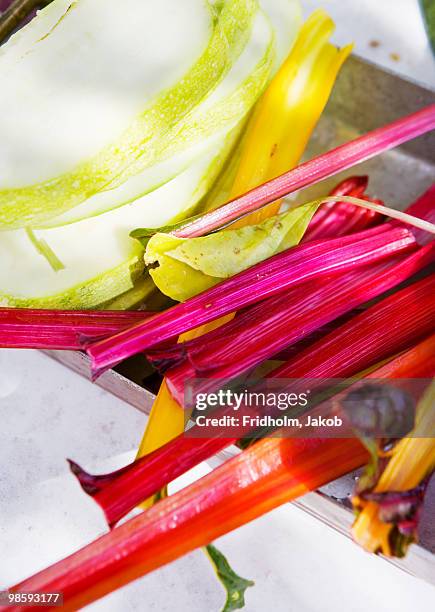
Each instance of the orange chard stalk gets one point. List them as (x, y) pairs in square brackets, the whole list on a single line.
[(268, 474)]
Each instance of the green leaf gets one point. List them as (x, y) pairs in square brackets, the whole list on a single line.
[(234, 585), (428, 8), (183, 267)]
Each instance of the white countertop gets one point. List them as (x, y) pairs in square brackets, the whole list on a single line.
[(390, 33), (48, 413)]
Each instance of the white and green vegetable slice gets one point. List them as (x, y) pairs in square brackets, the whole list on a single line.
[(188, 140), (83, 105), (100, 261)]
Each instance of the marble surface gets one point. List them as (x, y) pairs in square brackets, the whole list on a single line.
[(48, 413)]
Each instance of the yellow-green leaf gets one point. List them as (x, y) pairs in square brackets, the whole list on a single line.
[(183, 267)]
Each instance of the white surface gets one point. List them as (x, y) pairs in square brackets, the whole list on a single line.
[(398, 27), (48, 413)]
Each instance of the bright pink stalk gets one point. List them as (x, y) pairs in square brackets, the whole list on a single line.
[(315, 170), (262, 330), (279, 273), (61, 329), (383, 330)]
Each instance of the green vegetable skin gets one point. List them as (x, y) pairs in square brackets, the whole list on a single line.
[(101, 261)]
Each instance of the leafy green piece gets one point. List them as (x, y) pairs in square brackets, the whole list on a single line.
[(428, 8), (183, 267), (234, 585)]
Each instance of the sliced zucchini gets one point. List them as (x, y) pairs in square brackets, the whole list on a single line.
[(223, 109), (85, 105), (100, 260)]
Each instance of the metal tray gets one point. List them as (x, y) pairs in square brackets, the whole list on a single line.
[(364, 97)]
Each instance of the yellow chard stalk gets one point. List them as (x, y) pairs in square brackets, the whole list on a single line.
[(274, 141), (289, 110)]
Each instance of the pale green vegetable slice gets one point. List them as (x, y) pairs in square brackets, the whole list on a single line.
[(100, 260), (91, 96), (234, 95), (223, 109), (187, 266)]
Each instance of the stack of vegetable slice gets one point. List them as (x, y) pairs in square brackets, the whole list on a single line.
[(113, 129)]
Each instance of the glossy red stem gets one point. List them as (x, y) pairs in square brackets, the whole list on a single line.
[(373, 335), (279, 273), (61, 329)]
